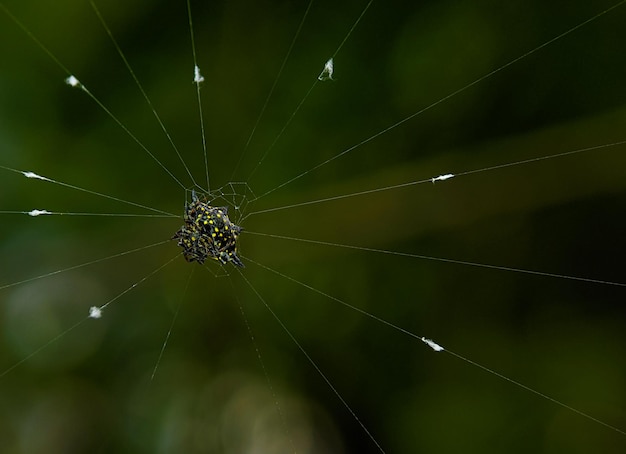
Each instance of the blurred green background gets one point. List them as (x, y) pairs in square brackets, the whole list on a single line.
[(91, 390)]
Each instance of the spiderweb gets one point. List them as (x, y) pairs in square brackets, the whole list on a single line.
[(440, 257)]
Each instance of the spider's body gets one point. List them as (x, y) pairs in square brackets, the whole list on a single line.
[(208, 233)]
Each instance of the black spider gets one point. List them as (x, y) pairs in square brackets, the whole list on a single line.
[(208, 233)]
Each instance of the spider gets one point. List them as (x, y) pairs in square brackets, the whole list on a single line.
[(207, 232)]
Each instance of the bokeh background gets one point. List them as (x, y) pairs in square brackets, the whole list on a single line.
[(91, 390)]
